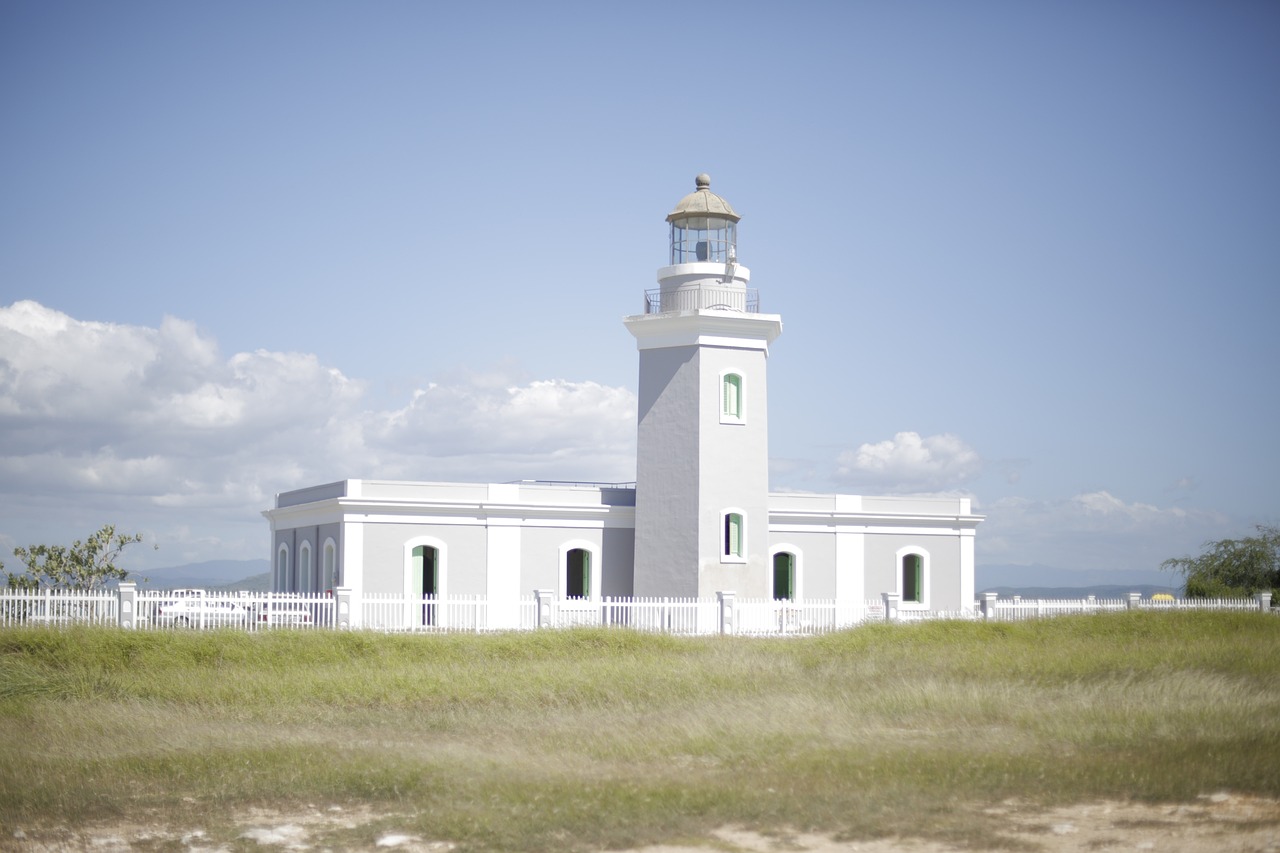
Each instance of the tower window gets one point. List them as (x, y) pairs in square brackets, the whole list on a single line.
[(733, 535), (913, 578), (731, 398)]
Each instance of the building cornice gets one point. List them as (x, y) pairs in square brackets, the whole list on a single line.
[(706, 327), (363, 509), (874, 521)]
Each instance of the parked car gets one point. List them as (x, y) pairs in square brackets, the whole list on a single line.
[(293, 614), (197, 611)]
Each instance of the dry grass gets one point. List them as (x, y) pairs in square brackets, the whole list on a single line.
[(610, 738)]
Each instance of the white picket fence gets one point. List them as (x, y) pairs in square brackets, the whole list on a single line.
[(131, 608), (1016, 609)]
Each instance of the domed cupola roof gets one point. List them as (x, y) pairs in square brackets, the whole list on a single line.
[(703, 202)]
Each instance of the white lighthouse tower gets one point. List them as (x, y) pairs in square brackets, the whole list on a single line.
[(702, 467)]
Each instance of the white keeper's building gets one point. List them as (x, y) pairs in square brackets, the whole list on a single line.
[(699, 519)]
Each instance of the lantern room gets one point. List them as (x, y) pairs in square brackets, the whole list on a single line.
[(704, 227)]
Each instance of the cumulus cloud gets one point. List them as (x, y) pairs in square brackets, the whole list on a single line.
[(155, 424), (909, 463)]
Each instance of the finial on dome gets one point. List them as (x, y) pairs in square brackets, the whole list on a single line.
[(703, 181)]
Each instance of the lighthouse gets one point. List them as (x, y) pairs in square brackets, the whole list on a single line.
[(702, 467)]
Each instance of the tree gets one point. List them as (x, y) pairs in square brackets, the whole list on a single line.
[(1233, 567), (85, 565)]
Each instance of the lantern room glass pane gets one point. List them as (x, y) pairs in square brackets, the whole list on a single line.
[(703, 239)]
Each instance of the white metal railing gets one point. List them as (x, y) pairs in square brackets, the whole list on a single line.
[(702, 297), (129, 607), (58, 607)]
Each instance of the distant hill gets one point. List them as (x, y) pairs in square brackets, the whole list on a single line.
[(212, 574), (253, 583)]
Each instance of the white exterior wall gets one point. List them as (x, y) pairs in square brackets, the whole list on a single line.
[(692, 468), (667, 520), (847, 547), (733, 466), (495, 540), (869, 536)]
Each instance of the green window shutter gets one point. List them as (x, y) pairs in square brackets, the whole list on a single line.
[(732, 395), (913, 578), (733, 535)]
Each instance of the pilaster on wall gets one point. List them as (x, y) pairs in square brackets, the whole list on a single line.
[(851, 573), (502, 570), (352, 555), (967, 540)]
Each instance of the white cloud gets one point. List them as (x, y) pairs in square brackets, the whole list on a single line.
[(1093, 530), (156, 428), (908, 463)]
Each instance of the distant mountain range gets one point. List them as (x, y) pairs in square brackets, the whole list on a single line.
[(1033, 581), (253, 575)]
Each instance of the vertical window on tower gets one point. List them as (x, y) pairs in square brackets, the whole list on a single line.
[(733, 536), (731, 398)]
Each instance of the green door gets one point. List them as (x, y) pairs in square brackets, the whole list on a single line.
[(577, 574), (784, 576), (426, 573)]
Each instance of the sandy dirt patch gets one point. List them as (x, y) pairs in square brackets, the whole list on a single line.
[(1220, 823)]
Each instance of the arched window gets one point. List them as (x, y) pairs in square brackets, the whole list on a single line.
[(913, 578), (577, 579), (426, 570), (329, 567), (579, 570), (426, 576), (730, 398), (280, 583), (304, 568), (734, 536), (784, 576)]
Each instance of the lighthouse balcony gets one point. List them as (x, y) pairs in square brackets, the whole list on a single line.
[(702, 297)]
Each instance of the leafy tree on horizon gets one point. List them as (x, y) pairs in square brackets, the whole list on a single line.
[(1233, 567), (86, 565)]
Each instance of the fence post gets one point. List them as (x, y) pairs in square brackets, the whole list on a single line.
[(727, 611), (345, 607), (891, 600), (543, 616), (989, 604), (1134, 598), (1264, 600), (128, 604)]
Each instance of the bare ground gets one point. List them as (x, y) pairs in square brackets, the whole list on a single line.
[(1218, 823)]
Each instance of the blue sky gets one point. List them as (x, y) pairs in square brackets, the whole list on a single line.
[(1026, 252)]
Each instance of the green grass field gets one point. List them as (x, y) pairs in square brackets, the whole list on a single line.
[(600, 738)]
